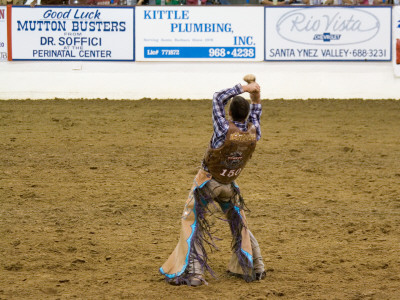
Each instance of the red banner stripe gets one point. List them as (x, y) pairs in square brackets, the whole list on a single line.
[(9, 46)]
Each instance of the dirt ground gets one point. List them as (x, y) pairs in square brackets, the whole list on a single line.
[(92, 192)]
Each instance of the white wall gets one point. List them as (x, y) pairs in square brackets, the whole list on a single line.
[(195, 80)]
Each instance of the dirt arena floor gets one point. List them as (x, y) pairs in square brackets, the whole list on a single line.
[(92, 192)]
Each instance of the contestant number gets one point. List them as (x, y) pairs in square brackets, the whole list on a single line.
[(217, 52), (230, 173)]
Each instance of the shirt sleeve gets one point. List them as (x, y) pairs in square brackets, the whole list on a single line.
[(254, 117), (220, 123)]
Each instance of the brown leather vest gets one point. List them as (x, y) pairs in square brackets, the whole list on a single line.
[(226, 162)]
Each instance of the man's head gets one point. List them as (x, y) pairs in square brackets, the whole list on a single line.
[(239, 109)]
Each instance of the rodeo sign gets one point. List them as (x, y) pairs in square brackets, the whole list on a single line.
[(67, 33), (185, 33), (3, 33), (328, 33)]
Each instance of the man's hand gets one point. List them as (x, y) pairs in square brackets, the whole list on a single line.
[(251, 88)]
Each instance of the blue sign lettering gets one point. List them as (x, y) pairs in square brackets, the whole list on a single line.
[(41, 26), (201, 27), (166, 14), (242, 40)]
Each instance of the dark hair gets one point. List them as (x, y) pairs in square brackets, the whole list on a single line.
[(239, 108)]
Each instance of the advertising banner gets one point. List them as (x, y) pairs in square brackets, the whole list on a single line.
[(73, 33), (3, 33), (328, 33), (396, 40), (185, 33)]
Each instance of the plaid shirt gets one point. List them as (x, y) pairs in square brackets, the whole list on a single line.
[(221, 124)]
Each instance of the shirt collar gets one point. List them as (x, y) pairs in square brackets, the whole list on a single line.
[(240, 125)]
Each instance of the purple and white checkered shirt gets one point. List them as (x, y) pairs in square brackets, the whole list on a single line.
[(221, 124)]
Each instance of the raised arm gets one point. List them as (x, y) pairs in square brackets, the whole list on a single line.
[(220, 99), (255, 107)]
